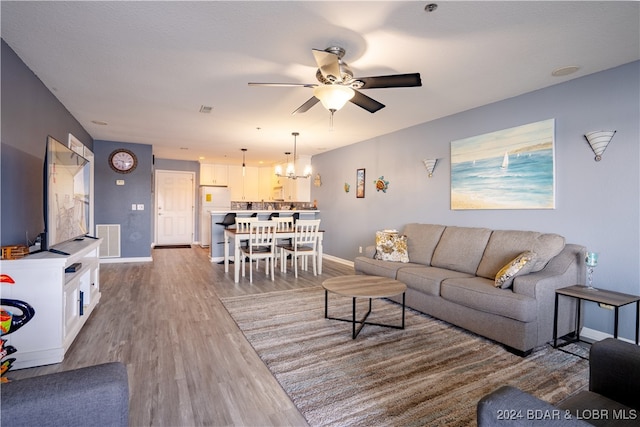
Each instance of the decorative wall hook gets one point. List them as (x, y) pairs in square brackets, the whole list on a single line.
[(430, 164), (598, 140)]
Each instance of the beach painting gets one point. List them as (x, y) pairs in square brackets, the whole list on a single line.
[(508, 169)]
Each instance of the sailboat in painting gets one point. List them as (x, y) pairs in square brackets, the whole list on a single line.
[(505, 161)]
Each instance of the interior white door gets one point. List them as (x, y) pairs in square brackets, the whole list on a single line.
[(175, 207)]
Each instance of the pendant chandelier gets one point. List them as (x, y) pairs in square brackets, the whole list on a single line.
[(291, 167)]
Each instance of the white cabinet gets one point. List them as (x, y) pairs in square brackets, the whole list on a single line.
[(265, 183), (217, 175), (62, 301), (244, 187)]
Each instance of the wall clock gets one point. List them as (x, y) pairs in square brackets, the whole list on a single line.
[(123, 160)]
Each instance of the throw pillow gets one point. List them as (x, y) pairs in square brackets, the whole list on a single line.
[(391, 247), (521, 264)]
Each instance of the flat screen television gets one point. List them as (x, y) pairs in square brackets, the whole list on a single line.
[(66, 195)]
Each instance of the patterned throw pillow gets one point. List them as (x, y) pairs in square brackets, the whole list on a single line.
[(521, 264), (391, 247)]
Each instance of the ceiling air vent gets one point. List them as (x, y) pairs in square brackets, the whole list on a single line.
[(205, 109)]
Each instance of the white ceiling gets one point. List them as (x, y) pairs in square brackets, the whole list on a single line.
[(145, 68)]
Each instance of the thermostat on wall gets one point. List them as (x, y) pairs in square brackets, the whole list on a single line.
[(119, 181)]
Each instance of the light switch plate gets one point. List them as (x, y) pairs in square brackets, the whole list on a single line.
[(134, 207), (119, 181)]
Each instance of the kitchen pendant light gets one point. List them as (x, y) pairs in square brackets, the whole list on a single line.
[(291, 167), (244, 166)]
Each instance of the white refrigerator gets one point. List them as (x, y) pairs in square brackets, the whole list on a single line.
[(211, 199)]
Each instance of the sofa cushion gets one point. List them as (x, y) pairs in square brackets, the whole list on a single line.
[(391, 247), (422, 240), (480, 294), (461, 248), (505, 245), (427, 279), (522, 264), (375, 267)]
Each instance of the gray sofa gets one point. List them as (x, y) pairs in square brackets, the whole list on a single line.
[(93, 396), (613, 398), (451, 275)]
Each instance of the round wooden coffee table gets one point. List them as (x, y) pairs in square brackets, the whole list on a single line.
[(363, 286)]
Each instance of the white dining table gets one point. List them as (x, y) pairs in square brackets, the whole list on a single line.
[(232, 234)]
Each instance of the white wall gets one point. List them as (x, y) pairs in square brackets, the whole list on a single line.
[(597, 203)]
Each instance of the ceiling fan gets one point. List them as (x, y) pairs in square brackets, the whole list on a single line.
[(337, 84)]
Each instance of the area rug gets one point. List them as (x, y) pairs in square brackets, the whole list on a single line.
[(429, 374)]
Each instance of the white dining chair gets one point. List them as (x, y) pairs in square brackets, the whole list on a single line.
[(261, 245), (282, 223), (304, 244)]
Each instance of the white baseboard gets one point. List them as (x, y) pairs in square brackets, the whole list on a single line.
[(338, 260), (589, 334), (122, 260)]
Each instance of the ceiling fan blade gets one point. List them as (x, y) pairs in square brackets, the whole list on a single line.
[(397, 80), (284, 84), (369, 104), (307, 105), (328, 65)]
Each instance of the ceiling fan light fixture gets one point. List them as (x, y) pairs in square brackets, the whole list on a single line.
[(333, 97)]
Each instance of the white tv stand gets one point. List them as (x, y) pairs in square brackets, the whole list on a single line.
[(62, 301)]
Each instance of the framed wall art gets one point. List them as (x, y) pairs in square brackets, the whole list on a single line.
[(360, 180), (509, 169)]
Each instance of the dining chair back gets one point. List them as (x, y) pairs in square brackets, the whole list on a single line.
[(261, 245), (283, 222), (243, 223), (304, 244)]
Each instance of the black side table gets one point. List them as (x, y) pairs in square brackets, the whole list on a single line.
[(583, 293)]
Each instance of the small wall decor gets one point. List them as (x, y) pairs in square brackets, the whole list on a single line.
[(509, 169), (360, 179), (347, 187), (381, 184), (317, 181)]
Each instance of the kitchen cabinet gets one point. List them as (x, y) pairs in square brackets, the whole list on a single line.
[(244, 188), (213, 174), (265, 183)]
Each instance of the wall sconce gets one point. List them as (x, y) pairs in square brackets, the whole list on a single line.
[(598, 140), (430, 164)]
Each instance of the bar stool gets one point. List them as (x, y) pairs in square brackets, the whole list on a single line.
[(228, 220)]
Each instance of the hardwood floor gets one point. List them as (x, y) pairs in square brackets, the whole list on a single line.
[(188, 363)]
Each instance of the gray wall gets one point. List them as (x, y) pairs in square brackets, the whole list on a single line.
[(29, 113), (597, 204), (113, 202)]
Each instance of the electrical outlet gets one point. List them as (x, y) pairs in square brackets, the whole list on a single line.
[(360, 249), (140, 206)]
